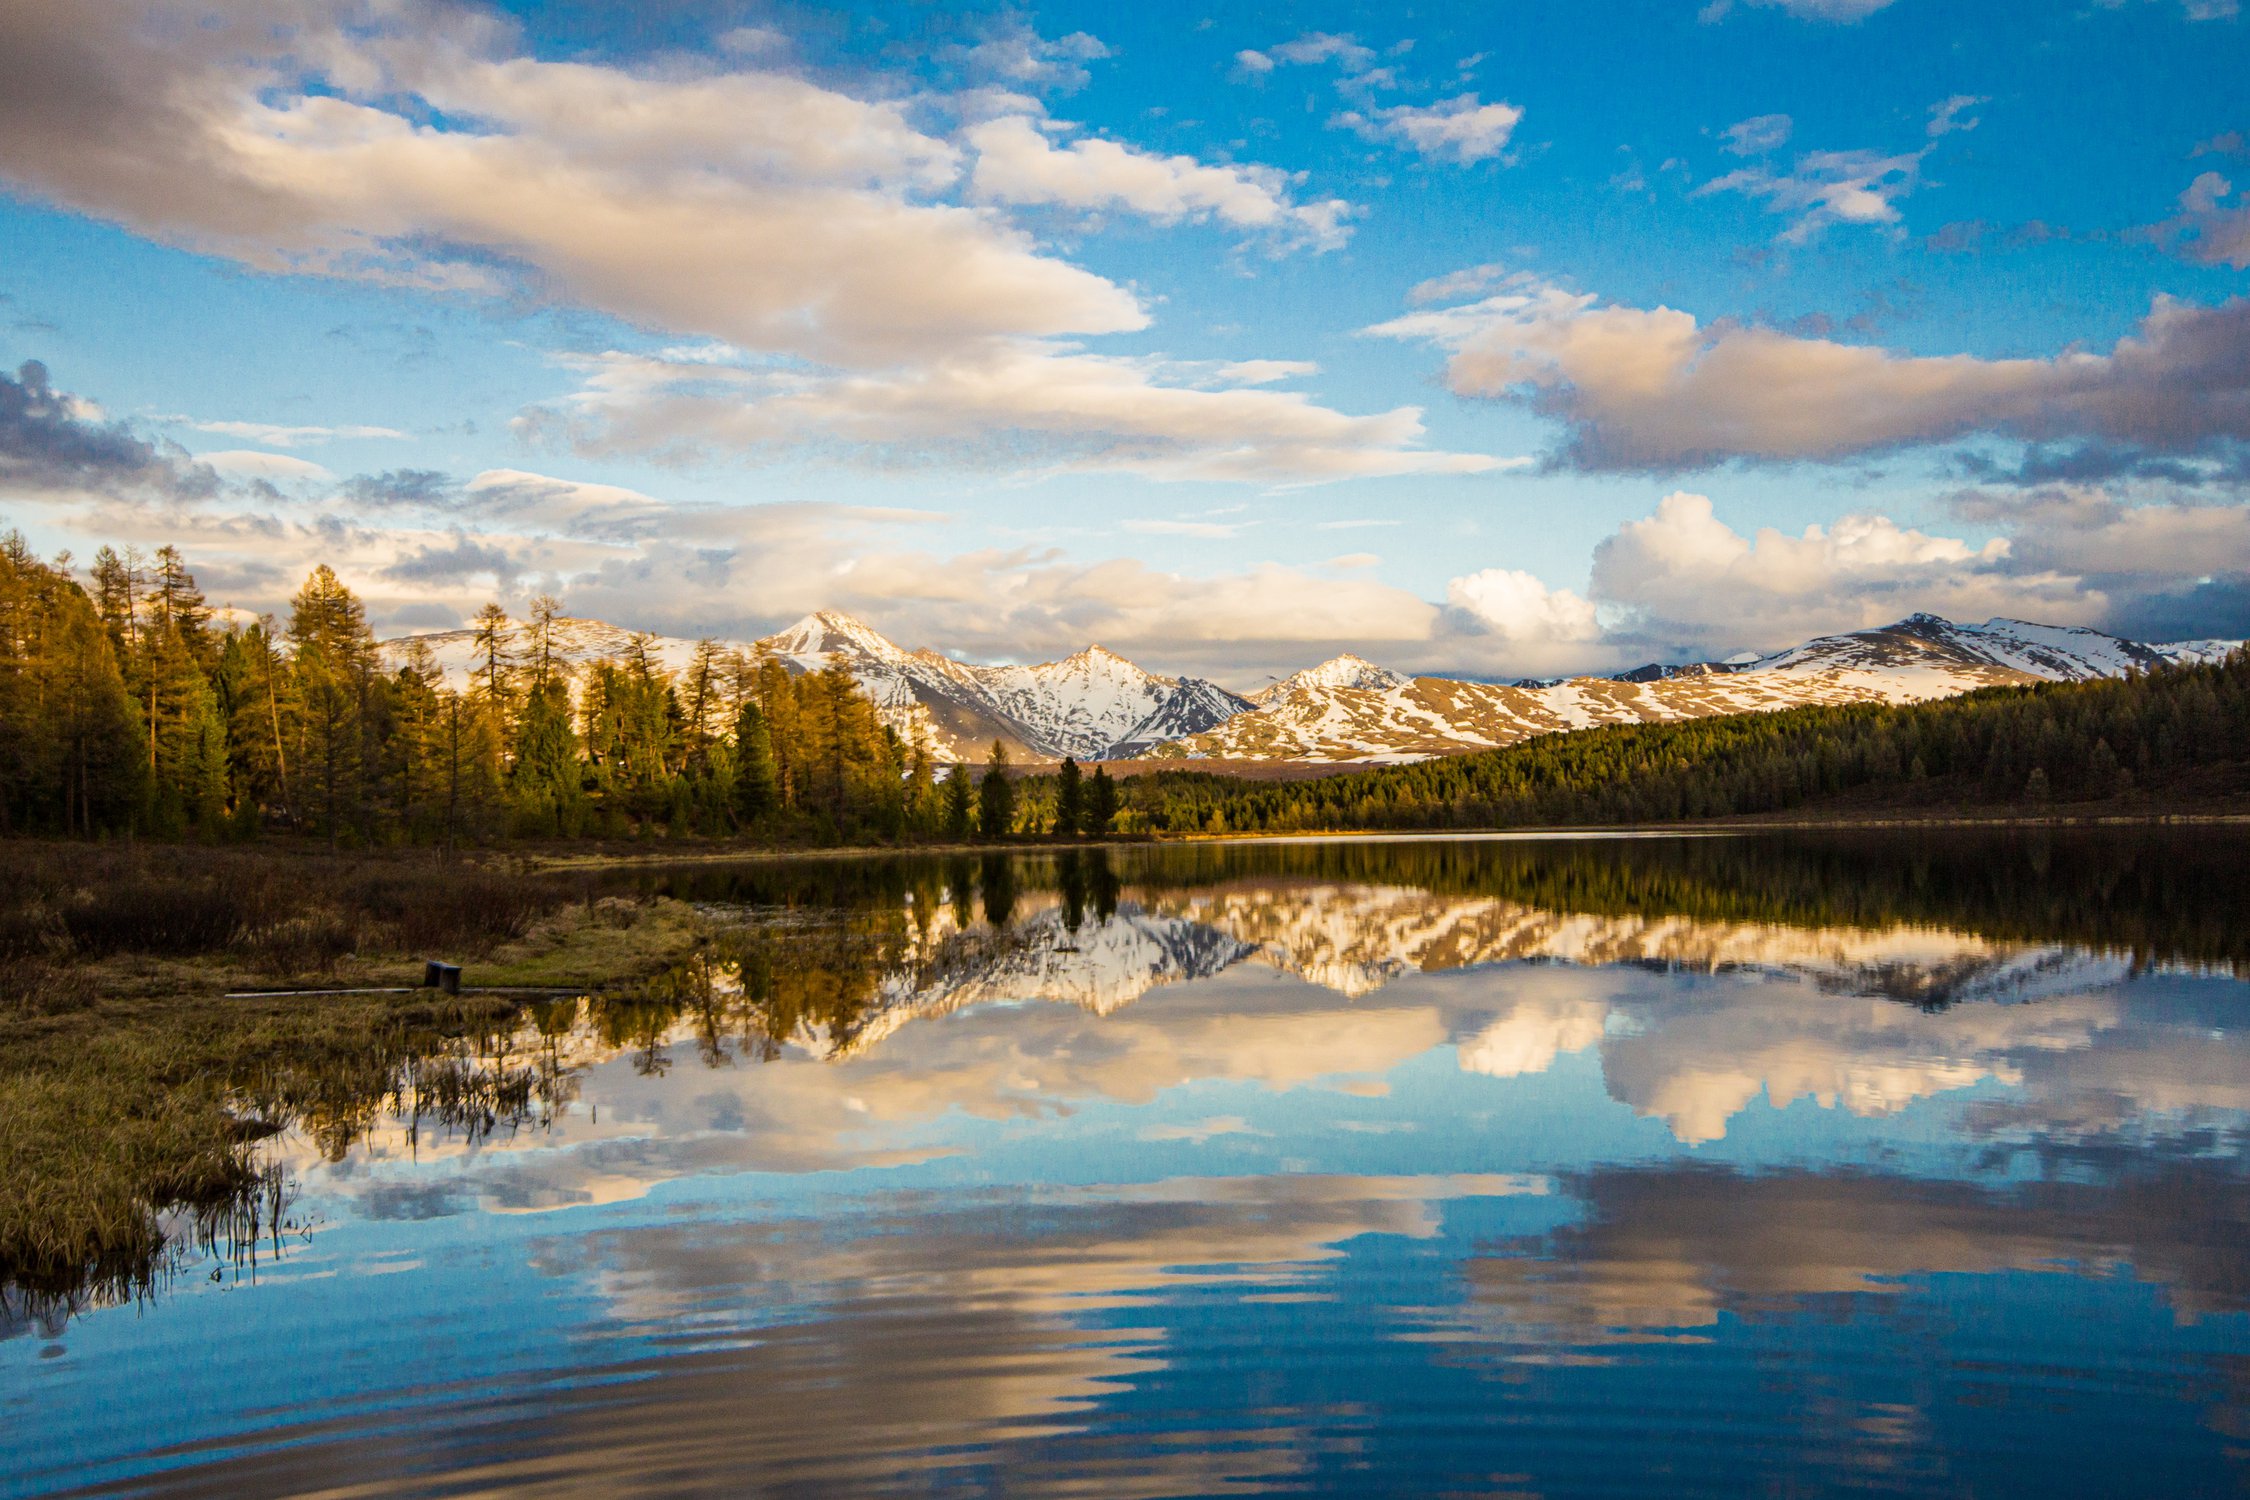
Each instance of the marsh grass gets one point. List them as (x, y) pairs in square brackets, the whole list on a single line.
[(132, 1095)]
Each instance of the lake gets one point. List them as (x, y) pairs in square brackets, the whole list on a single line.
[(1893, 1163)]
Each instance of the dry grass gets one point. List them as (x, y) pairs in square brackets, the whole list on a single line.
[(128, 1085)]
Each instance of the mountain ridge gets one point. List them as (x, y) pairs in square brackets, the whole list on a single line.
[(1095, 704)]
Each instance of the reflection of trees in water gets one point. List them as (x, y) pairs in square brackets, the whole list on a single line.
[(833, 955), (2160, 895), (500, 1078), (232, 1236)]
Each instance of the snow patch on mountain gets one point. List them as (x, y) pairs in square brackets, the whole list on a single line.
[(1340, 714), (1346, 671), (1193, 707)]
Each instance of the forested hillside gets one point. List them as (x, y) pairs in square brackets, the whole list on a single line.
[(2140, 742), (128, 707)]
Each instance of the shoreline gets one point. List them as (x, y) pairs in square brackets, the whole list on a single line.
[(1704, 828), (537, 861)]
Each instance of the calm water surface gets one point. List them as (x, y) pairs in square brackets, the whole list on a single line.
[(1780, 1165)]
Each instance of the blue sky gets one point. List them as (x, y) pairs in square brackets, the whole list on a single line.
[(1493, 339)]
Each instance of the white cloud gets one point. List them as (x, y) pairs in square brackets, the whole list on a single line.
[(1461, 129), (1315, 47), (1456, 284), (1947, 116), (251, 462), (1846, 11), (1827, 188), (1264, 371), (749, 205), (1516, 606), (1018, 163), (1690, 575), (1027, 406), (1756, 135), (1641, 388), (1016, 54), (276, 436)]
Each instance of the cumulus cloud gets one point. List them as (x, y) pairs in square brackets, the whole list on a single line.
[(1689, 575), (1518, 607), (1034, 406), (804, 227), (1462, 129), (1017, 162), (1652, 389), (749, 205), (52, 441)]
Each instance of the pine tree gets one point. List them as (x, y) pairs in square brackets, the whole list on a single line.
[(960, 807), (492, 679), (416, 748), (996, 796), (544, 653), (175, 602), (331, 674), (550, 797), (1101, 803), (757, 785), (1070, 799), (68, 758), (921, 800)]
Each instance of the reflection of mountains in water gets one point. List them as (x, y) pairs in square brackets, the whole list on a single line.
[(1355, 939)]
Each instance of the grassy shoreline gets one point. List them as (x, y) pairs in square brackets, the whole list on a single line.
[(129, 1086)]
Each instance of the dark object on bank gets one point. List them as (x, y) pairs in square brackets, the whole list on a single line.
[(441, 976)]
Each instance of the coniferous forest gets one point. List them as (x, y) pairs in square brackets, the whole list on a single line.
[(128, 707), (2147, 743)]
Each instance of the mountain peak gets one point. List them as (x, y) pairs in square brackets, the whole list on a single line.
[(1346, 671), (827, 630)]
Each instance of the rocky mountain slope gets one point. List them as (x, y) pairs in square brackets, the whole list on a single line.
[(1348, 711), (1097, 705)]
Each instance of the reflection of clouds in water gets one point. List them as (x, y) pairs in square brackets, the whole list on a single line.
[(1665, 1250), (918, 1341), (1684, 1034), (1533, 1034)]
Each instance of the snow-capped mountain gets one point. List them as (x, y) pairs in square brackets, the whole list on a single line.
[(1082, 705), (1356, 939), (1193, 707), (1347, 711), (1346, 671), (1097, 705)]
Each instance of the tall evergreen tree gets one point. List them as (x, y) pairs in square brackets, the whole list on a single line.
[(1101, 803), (996, 796), (332, 672), (757, 784), (960, 805), (1070, 799), (549, 794)]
